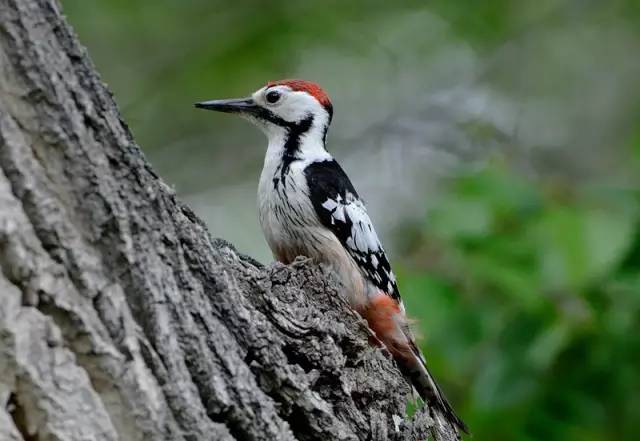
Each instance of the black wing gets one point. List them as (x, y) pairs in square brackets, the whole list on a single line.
[(340, 209)]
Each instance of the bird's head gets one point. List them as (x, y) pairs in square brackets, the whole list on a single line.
[(281, 107)]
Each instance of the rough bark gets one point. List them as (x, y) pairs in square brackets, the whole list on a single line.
[(120, 318)]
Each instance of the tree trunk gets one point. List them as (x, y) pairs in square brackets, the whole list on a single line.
[(120, 318)]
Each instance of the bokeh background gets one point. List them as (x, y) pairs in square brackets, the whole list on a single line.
[(497, 144)]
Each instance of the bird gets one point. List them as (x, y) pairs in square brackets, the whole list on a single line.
[(308, 206)]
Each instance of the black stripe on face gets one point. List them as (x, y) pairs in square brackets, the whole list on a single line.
[(292, 144), (267, 115)]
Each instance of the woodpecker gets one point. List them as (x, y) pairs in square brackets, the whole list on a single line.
[(308, 207)]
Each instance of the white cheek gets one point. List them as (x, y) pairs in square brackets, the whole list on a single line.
[(290, 111), (297, 106)]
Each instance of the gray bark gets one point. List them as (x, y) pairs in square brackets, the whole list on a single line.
[(120, 318)]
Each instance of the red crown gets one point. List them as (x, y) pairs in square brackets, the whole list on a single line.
[(305, 86)]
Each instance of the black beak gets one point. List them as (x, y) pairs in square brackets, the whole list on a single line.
[(239, 105)]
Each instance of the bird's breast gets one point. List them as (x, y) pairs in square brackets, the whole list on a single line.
[(292, 228), (286, 215)]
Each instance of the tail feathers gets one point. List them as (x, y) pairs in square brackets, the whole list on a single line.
[(416, 370), (387, 320)]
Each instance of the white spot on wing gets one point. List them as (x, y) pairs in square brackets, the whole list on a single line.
[(364, 235), (350, 243), (330, 204), (339, 214), (360, 238), (372, 239)]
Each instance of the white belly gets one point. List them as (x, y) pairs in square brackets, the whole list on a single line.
[(292, 228)]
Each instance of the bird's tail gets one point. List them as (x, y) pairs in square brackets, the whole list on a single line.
[(386, 318), (416, 370)]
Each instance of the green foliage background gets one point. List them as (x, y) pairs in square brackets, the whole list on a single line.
[(523, 270), (531, 296)]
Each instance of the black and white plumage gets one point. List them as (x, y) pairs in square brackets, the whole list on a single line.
[(341, 210), (307, 206)]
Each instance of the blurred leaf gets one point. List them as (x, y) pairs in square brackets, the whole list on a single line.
[(462, 217), (563, 252), (608, 236), (545, 348)]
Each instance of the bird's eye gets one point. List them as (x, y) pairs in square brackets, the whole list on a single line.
[(273, 97)]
